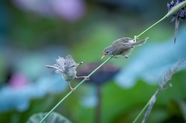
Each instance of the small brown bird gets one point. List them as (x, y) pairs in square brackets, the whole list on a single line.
[(67, 67), (122, 46)]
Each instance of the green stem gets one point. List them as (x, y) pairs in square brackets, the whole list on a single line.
[(142, 111), (172, 11), (74, 88), (151, 26)]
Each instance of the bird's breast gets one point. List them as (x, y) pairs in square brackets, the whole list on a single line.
[(69, 76), (127, 52)]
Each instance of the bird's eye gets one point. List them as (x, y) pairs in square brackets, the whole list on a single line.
[(107, 51)]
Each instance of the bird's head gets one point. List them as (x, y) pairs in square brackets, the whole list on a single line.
[(107, 51)]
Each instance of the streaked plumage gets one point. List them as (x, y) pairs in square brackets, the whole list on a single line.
[(67, 67)]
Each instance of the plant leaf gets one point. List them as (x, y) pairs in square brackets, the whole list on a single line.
[(53, 118)]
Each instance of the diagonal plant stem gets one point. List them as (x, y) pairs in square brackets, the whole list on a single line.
[(151, 26), (95, 70), (142, 111), (171, 12), (75, 88)]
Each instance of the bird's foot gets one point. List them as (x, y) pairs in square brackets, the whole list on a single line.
[(72, 89), (85, 77), (135, 38)]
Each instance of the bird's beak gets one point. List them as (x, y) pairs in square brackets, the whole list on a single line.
[(103, 56)]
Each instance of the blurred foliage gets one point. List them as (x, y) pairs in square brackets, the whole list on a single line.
[(25, 28), (21, 117)]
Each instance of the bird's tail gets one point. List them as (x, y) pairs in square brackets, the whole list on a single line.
[(139, 43)]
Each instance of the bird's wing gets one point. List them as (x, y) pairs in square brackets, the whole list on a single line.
[(61, 63), (120, 46), (69, 61), (125, 39)]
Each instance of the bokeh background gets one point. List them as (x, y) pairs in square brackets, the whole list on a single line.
[(33, 33)]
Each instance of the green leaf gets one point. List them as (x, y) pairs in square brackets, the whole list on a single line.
[(53, 118)]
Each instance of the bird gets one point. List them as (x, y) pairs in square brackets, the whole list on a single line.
[(67, 67), (122, 46)]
